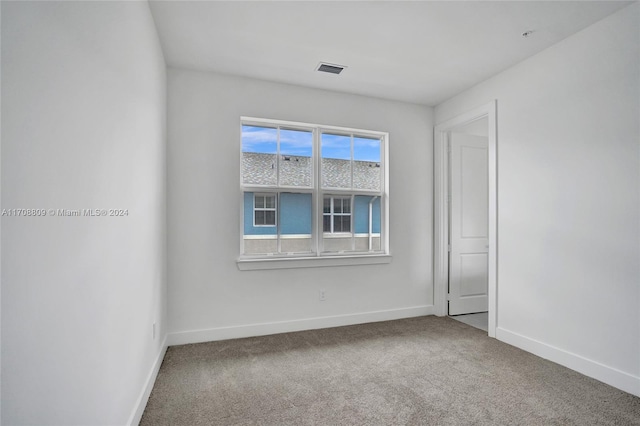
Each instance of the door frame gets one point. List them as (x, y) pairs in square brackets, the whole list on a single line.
[(441, 209)]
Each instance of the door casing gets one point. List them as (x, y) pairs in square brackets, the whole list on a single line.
[(441, 209)]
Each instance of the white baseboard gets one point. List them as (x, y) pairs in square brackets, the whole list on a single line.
[(611, 376), (141, 403), (250, 330)]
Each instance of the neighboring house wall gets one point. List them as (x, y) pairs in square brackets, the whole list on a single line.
[(569, 199), (83, 126), (209, 297), (295, 214)]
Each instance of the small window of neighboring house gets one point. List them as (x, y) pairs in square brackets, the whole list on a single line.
[(337, 215), (312, 190), (264, 210)]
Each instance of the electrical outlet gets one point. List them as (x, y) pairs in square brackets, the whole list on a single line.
[(322, 295), (154, 331)]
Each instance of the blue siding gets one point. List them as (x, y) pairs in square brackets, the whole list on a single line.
[(295, 213), (361, 214), (249, 229)]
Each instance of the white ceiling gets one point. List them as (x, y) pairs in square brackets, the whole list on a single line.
[(422, 52)]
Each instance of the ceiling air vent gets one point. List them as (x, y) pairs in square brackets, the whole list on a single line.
[(330, 68)]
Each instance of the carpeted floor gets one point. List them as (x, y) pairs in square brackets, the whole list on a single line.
[(417, 371)]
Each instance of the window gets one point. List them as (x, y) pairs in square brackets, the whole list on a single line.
[(336, 214), (264, 210), (312, 191)]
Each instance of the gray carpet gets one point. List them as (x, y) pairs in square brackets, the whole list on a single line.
[(418, 371)]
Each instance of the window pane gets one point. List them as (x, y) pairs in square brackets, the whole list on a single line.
[(362, 204), (257, 238), (335, 240), (295, 223), (285, 228), (366, 165), (345, 223), (259, 149), (259, 201), (270, 201), (337, 224), (296, 165), (270, 217), (366, 149), (340, 240), (337, 205), (326, 208), (336, 161), (346, 205)]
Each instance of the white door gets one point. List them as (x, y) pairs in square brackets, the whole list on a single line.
[(469, 236)]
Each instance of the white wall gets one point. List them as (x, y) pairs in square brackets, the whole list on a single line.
[(476, 128), (569, 199), (209, 298), (83, 126)]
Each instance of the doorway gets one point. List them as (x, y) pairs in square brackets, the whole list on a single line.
[(465, 242)]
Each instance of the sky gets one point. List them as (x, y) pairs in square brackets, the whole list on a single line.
[(300, 143)]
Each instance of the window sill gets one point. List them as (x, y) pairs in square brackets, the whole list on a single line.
[(312, 262)]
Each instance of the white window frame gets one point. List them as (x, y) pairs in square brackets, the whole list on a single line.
[(318, 257), (265, 209)]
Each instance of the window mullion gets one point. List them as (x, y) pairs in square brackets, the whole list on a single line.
[(318, 212), (352, 223), (352, 162), (278, 156), (332, 217)]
